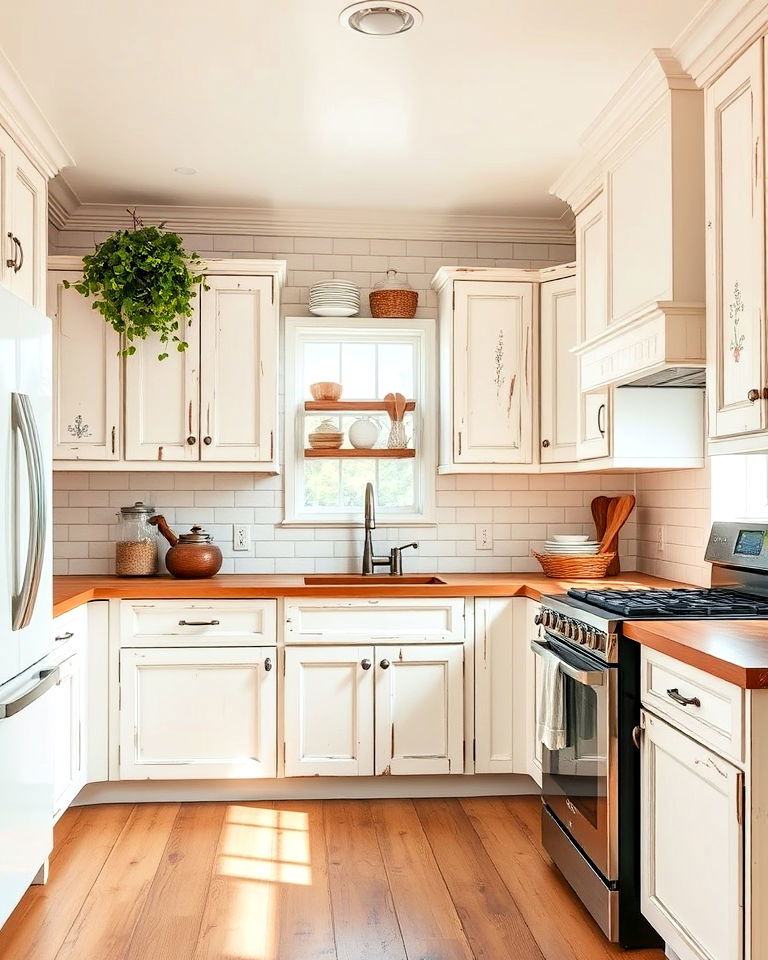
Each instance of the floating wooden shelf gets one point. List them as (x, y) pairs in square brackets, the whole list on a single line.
[(351, 405), (344, 453)]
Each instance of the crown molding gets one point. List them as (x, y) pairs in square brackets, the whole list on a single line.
[(27, 125), (718, 34), (67, 212), (657, 75)]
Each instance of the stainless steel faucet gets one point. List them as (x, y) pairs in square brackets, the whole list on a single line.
[(370, 561)]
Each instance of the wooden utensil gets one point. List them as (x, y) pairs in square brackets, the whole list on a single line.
[(618, 513), (389, 405), (400, 405), (600, 515)]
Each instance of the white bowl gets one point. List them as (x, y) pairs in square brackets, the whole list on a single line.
[(569, 538)]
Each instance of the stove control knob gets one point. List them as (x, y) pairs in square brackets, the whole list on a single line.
[(600, 640), (539, 619), (567, 628), (589, 637), (578, 632)]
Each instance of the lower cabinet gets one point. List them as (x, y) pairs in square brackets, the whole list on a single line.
[(69, 712), (692, 842), (363, 710), (198, 713)]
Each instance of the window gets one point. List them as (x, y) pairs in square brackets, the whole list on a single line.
[(369, 359)]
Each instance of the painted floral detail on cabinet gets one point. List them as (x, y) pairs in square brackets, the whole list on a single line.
[(735, 310), (79, 429), (499, 379)]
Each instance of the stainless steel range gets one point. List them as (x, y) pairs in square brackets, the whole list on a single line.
[(590, 813)]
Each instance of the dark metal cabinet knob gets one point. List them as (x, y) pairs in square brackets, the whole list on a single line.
[(191, 441), (753, 395), (365, 664), (207, 441), (268, 664), (384, 664), (545, 443)]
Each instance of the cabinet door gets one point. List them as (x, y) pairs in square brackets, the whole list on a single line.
[(7, 247), (735, 198), (591, 273), (198, 713), (495, 733), (162, 400), (594, 425), (238, 375), (28, 222), (493, 372), (534, 677), (328, 711), (86, 374), (69, 706), (420, 709), (558, 390), (692, 843)]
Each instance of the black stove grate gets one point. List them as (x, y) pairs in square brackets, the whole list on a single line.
[(682, 603)]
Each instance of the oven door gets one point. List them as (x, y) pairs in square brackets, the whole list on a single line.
[(580, 785)]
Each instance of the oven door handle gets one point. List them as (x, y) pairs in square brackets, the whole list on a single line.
[(589, 678)]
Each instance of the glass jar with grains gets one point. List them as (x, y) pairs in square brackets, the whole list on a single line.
[(136, 547)]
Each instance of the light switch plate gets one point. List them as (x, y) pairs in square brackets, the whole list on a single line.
[(241, 536), (483, 536)]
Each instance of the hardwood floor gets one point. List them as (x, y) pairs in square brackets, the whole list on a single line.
[(316, 880)]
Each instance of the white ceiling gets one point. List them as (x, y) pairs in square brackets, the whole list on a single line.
[(475, 112)]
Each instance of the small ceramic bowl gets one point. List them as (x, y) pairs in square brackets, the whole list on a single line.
[(325, 390)]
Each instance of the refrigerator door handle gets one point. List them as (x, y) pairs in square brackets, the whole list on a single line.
[(23, 419), (46, 680)]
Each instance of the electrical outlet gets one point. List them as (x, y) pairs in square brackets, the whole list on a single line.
[(241, 536), (483, 537), (660, 541)]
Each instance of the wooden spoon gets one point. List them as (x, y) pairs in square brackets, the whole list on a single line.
[(600, 515), (618, 515), (400, 405), (389, 405)]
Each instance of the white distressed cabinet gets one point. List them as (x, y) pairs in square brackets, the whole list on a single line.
[(86, 371), (214, 402), (23, 223), (358, 710), (198, 713), (593, 425), (692, 841), (558, 387), (487, 364), (736, 344), (591, 269)]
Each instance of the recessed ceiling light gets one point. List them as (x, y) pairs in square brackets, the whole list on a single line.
[(380, 20), (185, 171)]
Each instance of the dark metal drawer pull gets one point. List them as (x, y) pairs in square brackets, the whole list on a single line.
[(198, 623), (674, 694), (63, 636)]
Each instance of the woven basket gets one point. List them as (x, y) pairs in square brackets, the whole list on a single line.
[(393, 303), (575, 568)]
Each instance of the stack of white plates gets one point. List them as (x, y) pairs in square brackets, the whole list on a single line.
[(571, 546), (334, 298)]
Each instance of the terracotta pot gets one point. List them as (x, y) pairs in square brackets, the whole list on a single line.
[(193, 555)]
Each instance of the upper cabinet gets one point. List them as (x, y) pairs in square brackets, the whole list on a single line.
[(559, 387), (637, 190), (214, 402), (736, 347)]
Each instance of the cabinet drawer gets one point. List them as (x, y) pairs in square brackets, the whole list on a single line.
[(70, 626), (385, 619), (145, 623), (716, 715)]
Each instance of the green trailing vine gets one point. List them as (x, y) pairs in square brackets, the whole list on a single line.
[(144, 283)]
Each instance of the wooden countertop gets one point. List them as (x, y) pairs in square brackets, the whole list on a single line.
[(72, 591), (735, 650)]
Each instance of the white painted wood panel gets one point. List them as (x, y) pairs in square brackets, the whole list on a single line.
[(328, 711), (411, 620), (162, 399), (7, 251), (533, 674), (29, 224), (691, 845), (198, 713), (86, 373), (735, 146), (68, 707), (204, 623), (591, 254), (419, 693), (594, 437), (238, 380), (558, 387), (495, 713), (493, 367)]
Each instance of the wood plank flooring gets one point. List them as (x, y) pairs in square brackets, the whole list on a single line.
[(311, 880)]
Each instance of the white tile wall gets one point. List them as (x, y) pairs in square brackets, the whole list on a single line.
[(522, 511)]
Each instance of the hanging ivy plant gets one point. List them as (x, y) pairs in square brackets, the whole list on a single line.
[(144, 283)]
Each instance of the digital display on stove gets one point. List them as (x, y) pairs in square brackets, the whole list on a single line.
[(749, 543)]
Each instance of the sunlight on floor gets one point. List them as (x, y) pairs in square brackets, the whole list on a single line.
[(260, 848)]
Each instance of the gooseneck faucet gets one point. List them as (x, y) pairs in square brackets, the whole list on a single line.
[(370, 561)]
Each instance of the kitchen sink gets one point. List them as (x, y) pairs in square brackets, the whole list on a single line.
[(373, 580)]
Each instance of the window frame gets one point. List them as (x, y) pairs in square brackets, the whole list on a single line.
[(299, 329)]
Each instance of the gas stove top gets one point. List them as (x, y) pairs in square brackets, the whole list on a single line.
[(681, 604)]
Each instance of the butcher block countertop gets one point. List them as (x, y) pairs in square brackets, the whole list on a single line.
[(735, 650)]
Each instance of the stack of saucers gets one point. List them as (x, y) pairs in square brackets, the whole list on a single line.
[(334, 298), (571, 546)]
